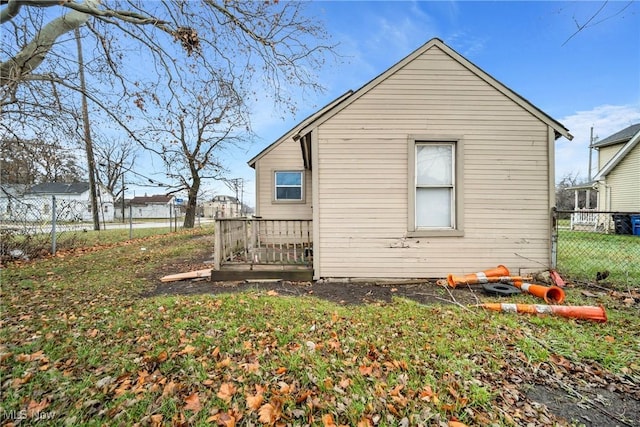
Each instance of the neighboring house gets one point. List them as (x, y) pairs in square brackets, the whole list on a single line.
[(11, 200), (433, 167), (73, 201), (618, 177), (222, 207), (156, 206)]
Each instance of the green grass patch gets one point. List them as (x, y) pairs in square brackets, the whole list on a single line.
[(581, 255)]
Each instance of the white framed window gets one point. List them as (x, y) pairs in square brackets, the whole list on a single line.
[(435, 203), (435, 183), (289, 186)]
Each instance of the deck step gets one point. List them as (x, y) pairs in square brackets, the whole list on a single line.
[(299, 275)]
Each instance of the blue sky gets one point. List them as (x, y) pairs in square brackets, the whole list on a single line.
[(593, 79)]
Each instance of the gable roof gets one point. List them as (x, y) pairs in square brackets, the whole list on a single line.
[(617, 158), (155, 199), (296, 129), (559, 129), (60, 188), (621, 136)]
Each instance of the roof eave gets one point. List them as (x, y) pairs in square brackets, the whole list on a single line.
[(617, 158), (295, 131)]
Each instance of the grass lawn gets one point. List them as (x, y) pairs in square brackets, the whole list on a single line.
[(581, 255), (81, 347)]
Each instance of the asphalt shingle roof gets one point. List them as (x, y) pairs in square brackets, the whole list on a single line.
[(142, 200), (60, 188), (619, 137)]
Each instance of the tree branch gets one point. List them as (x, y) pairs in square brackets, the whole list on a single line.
[(32, 55)]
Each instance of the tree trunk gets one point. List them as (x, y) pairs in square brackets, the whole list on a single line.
[(192, 204)]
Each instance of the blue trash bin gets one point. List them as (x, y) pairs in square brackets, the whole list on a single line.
[(635, 224)]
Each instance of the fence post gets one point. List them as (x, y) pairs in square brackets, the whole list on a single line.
[(130, 222), (554, 238), (170, 217), (175, 216), (53, 225)]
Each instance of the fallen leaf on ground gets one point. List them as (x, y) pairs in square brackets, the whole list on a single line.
[(269, 414), (327, 420), (193, 403), (36, 408), (226, 392), (254, 402)]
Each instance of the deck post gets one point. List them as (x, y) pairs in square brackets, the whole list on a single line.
[(254, 252), (218, 251)]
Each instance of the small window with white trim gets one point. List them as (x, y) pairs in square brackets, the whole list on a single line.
[(289, 186)]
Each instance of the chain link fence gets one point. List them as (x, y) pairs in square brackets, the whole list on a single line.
[(32, 227), (598, 246)]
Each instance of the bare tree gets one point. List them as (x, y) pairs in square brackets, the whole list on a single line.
[(600, 15), (114, 158), (34, 161), (141, 56), (269, 39), (190, 133)]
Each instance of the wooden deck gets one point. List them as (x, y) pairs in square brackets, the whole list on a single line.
[(255, 248)]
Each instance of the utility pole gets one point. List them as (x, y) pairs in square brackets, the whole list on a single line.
[(590, 150), (91, 162), (235, 185), (241, 197), (587, 202)]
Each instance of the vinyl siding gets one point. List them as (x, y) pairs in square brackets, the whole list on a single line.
[(606, 153), (363, 177), (624, 183), (286, 156)]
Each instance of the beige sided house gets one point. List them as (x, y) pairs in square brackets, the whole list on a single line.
[(433, 167), (618, 177)]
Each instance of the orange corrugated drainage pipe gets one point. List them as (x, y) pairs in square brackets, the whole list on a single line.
[(550, 294), (583, 312), (479, 277)]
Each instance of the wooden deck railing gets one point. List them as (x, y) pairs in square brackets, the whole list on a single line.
[(255, 241)]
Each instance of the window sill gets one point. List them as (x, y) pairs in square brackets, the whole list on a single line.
[(288, 202), (435, 233)]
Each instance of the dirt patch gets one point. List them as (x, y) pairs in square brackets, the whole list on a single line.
[(427, 292), (596, 407), (337, 292)]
